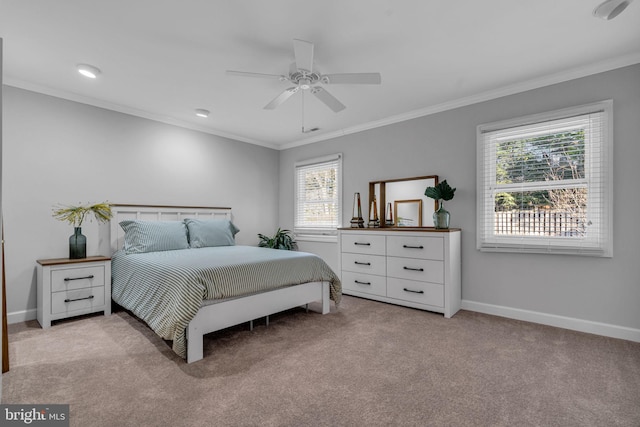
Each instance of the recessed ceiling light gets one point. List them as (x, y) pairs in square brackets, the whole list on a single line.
[(200, 112), (610, 8), (88, 70)]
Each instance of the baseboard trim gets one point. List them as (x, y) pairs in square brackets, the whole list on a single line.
[(597, 328), (22, 316)]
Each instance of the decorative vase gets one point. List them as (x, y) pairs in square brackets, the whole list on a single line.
[(441, 217), (77, 244)]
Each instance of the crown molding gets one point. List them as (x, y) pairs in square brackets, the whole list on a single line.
[(70, 96), (536, 83)]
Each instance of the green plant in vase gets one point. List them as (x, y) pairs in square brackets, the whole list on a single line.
[(75, 215), (441, 192), (281, 240)]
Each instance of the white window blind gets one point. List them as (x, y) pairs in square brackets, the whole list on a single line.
[(318, 195), (544, 183)]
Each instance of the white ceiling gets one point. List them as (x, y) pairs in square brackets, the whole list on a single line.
[(162, 59)]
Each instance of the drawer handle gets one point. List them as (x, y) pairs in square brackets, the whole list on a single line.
[(413, 269), (362, 283), (411, 290), (362, 244), (78, 299), (361, 263), (412, 247), (67, 279)]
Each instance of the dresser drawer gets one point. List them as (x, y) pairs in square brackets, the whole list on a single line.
[(79, 299), (368, 283), (416, 269), (362, 263), (363, 243), (420, 292), (415, 247), (77, 278)]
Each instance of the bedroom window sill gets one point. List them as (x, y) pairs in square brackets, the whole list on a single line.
[(325, 238)]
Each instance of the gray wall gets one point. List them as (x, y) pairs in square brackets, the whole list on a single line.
[(589, 289), (62, 152)]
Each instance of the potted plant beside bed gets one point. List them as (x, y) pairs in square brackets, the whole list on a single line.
[(75, 215), (281, 240)]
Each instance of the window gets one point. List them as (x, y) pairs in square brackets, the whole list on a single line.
[(544, 183), (318, 196)]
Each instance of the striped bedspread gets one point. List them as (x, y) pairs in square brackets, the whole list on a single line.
[(166, 289)]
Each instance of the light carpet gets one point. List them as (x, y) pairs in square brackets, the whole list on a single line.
[(366, 364)]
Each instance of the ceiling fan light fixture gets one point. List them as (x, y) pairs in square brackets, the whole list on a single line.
[(609, 9), (201, 112), (305, 84), (88, 70)]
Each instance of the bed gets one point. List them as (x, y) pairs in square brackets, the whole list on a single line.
[(184, 287)]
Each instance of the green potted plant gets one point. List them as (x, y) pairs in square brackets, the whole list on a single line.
[(442, 191), (283, 239), (75, 215)]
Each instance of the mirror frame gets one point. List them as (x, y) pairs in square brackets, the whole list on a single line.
[(382, 199)]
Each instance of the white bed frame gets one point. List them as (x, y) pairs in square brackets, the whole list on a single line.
[(229, 312)]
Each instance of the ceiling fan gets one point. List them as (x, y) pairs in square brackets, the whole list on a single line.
[(304, 77)]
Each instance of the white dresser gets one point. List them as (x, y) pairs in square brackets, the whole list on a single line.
[(414, 268), (71, 287)]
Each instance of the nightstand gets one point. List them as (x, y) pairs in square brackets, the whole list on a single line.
[(71, 287)]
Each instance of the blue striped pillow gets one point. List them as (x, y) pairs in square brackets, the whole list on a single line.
[(205, 233), (154, 236)]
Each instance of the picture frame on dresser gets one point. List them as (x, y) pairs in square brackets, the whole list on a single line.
[(408, 213)]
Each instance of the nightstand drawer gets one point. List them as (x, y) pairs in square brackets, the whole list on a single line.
[(420, 292), (77, 278), (368, 283), (415, 247), (74, 300), (362, 243), (416, 269), (369, 264)]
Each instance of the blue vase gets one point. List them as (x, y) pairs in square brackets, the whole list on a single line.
[(77, 244), (441, 218)]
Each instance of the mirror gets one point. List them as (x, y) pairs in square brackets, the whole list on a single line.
[(402, 203)]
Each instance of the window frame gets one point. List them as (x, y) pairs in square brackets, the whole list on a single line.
[(321, 234), (599, 238)]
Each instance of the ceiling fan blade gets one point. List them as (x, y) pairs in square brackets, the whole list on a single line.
[(258, 75), (328, 99), (303, 51), (352, 78), (281, 98)]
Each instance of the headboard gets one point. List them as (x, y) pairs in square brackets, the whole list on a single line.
[(157, 213)]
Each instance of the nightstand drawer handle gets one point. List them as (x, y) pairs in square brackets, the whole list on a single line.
[(362, 244), (415, 292), (413, 269), (361, 263), (78, 299), (67, 279), (362, 283), (412, 247)]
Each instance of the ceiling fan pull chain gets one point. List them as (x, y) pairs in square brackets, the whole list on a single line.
[(302, 111)]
